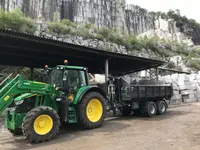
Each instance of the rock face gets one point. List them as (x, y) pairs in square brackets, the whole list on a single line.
[(167, 29), (110, 13), (44, 9)]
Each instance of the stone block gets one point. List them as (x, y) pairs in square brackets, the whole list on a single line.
[(189, 100), (175, 87), (198, 99), (187, 92), (175, 101), (177, 96), (176, 92)]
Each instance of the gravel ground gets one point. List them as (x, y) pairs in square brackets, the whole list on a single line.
[(179, 129)]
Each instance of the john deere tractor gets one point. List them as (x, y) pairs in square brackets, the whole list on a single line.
[(37, 109)]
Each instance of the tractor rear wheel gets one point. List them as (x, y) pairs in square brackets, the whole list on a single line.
[(40, 124), (91, 110)]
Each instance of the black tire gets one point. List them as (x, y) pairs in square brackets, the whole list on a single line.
[(151, 109), (16, 132), (125, 111), (28, 124), (137, 112), (162, 107), (82, 111)]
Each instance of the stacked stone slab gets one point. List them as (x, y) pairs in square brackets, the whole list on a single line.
[(172, 79), (186, 88)]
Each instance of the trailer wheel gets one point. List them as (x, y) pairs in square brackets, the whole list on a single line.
[(125, 111), (40, 124), (151, 109), (91, 110), (137, 112), (162, 107)]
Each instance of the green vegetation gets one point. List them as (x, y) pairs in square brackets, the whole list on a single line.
[(194, 64), (162, 48), (189, 27), (16, 20)]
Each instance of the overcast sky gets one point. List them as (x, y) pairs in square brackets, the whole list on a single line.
[(190, 8)]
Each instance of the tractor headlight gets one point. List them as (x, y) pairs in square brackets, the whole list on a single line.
[(19, 102), (58, 99)]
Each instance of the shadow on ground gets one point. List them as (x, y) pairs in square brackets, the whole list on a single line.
[(67, 133), (169, 114), (74, 131)]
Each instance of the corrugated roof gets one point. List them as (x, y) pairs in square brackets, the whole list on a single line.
[(21, 49)]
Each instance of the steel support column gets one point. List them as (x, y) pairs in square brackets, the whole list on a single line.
[(157, 73), (32, 72), (106, 74)]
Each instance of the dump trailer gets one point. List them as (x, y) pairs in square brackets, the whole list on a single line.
[(64, 96), (149, 99)]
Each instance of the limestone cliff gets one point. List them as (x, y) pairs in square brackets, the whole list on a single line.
[(110, 13)]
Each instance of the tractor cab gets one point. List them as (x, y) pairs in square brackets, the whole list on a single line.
[(68, 79), (63, 76), (68, 76)]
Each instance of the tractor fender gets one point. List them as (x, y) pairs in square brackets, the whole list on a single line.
[(24, 96), (84, 90)]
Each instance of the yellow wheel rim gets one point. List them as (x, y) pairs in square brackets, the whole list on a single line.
[(94, 110), (43, 124)]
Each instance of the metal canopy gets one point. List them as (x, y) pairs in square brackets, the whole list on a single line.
[(19, 49), (172, 71)]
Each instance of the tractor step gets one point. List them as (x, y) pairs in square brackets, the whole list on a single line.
[(72, 115)]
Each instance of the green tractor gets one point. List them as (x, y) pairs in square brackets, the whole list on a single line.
[(37, 109)]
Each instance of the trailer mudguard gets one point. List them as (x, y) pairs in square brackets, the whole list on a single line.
[(84, 90)]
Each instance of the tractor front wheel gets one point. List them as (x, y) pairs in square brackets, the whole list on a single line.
[(41, 124), (91, 110)]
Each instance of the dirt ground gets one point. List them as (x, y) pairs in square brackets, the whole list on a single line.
[(179, 129)]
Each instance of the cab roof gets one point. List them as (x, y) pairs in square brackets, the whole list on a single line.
[(71, 67)]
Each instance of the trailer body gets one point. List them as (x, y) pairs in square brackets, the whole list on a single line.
[(146, 92), (136, 97)]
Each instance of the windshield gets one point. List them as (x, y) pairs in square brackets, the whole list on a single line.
[(56, 78), (74, 78)]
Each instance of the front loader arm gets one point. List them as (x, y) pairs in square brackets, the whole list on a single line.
[(19, 88), (7, 92)]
